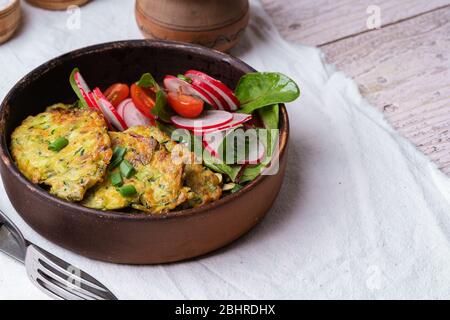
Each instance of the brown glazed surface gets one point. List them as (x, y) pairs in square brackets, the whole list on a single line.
[(57, 4), (123, 237), (9, 20), (216, 24)]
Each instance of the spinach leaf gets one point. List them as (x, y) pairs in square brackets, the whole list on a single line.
[(209, 161), (147, 81), (260, 89), (270, 116), (218, 165), (270, 140), (160, 109), (236, 188), (251, 173)]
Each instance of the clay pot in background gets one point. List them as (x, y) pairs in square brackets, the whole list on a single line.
[(57, 4), (9, 20), (215, 24)]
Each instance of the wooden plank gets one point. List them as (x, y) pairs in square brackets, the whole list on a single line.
[(404, 70), (320, 22)]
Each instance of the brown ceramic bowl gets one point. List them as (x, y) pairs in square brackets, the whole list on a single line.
[(125, 237), (57, 4)]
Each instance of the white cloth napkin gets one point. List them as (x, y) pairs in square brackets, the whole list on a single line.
[(362, 214)]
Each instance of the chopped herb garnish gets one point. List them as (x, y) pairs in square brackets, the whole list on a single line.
[(127, 169), (58, 144), (116, 179), (117, 158), (127, 191)]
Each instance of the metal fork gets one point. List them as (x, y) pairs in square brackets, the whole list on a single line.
[(53, 276)]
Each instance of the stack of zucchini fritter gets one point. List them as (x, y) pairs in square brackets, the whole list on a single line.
[(71, 151)]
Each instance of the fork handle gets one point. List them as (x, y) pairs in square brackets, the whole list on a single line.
[(17, 252)]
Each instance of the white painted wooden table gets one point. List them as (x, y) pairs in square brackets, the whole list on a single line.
[(402, 68)]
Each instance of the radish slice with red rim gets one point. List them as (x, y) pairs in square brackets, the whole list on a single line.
[(132, 116), (98, 109), (225, 92), (174, 84), (84, 90), (256, 152), (210, 119), (213, 141), (121, 107), (249, 148), (247, 140), (109, 111), (219, 102), (92, 98), (238, 119)]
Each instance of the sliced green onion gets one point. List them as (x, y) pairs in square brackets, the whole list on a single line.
[(117, 157), (58, 144), (127, 191), (116, 179), (127, 169)]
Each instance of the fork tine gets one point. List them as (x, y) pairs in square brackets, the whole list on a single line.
[(68, 286), (70, 275), (47, 272), (54, 290)]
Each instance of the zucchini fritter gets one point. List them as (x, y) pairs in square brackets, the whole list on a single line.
[(158, 180), (203, 182), (72, 170)]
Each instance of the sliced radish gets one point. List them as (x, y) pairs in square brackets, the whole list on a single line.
[(98, 109), (225, 92), (210, 119), (81, 89), (85, 90), (94, 101), (256, 149), (256, 153), (121, 107), (213, 142), (174, 84), (109, 111), (238, 119), (133, 117), (219, 102)]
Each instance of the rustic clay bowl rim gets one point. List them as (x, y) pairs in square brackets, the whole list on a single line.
[(9, 7), (118, 215)]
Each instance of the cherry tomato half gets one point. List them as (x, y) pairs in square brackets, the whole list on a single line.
[(117, 93), (144, 99), (185, 106)]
